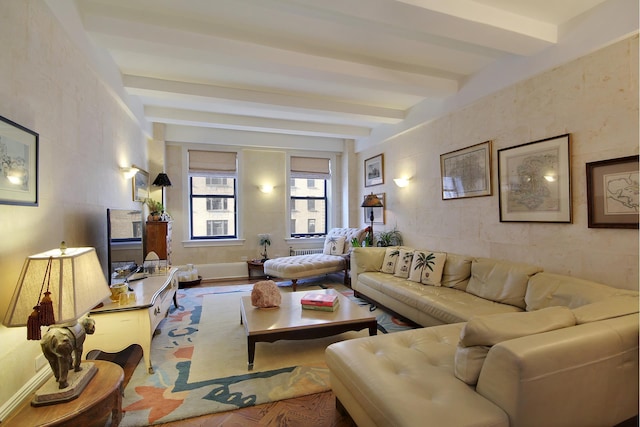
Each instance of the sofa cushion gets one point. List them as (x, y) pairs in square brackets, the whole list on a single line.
[(482, 332), (457, 271), (390, 260), (333, 245), (427, 267), (501, 281), (615, 306), (548, 290), (404, 263)]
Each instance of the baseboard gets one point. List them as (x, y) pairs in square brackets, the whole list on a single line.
[(222, 271), (25, 392)]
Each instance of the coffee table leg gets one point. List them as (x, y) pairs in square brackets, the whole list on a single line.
[(373, 329), (251, 352)]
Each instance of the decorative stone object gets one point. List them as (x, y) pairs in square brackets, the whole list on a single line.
[(265, 294)]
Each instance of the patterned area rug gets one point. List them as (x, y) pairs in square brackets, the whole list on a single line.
[(200, 359)]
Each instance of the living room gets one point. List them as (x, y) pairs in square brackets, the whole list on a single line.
[(86, 134)]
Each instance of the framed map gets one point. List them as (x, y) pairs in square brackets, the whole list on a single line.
[(612, 193), (466, 172), (535, 181)]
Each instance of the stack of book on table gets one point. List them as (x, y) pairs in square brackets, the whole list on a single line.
[(320, 301)]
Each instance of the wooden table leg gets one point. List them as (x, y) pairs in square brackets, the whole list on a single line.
[(251, 352)]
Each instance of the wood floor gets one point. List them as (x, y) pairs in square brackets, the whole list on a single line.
[(316, 410)]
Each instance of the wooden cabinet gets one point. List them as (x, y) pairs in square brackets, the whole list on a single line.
[(159, 239)]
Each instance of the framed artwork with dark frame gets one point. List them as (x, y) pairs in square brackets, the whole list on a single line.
[(378, 213), (535, 181), (18, 164), (374, 171), (612, 193), (140, 185), (466, 172)]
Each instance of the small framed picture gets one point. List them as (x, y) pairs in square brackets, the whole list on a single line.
[(378, 213), (466, 172), (612, 193), (535, 181), (18, 164), (374, 171), (140, 185)]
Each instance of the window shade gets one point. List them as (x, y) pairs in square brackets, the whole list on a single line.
[(215, 163), (310, 167)]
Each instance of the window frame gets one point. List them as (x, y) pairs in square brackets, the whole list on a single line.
[(191, 198)]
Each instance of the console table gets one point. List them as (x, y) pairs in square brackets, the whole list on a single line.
[(101, 397), (119, 326)]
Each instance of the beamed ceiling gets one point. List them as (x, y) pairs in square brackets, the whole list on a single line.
[(318, 72)]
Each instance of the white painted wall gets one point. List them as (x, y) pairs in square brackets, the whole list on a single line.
[(594, 98), (47, 85)]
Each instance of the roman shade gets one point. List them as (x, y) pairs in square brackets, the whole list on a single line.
[(310, 167), (213, 163)]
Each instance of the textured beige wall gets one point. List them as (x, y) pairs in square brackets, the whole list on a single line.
[(595, 99), (46, 85)]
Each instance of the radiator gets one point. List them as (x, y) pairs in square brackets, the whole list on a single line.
[(305, 251)]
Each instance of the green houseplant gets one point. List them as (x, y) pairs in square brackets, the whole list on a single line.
[(155, 209), (389, 237)]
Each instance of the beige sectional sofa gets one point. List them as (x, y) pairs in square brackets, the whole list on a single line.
[(504, 344)]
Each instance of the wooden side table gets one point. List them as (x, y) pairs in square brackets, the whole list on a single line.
[(256, 265), (101, 397)]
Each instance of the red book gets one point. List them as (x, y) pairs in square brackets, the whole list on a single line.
[(319, 298)]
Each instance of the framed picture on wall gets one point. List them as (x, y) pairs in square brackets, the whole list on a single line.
[(140, 185), (18, 164), (612, 193), (466, 172), (535, 181), (378, 213), (374, 171)]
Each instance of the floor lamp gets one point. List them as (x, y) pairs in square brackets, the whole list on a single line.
[(371, 201)]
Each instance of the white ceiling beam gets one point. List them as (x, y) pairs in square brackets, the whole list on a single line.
[(167, 40), (202, 91), (256, 124)]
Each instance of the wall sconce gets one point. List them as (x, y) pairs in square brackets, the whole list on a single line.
[(129, 171), (266, 188), (401, 182)]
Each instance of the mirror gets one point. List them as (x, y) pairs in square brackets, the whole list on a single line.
[(125, 243)]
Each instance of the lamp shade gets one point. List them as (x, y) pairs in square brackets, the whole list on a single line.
[(162, 180), (76, 282), (371, 201)]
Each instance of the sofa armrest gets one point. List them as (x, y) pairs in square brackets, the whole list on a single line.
[(580, 375), (365, 259)]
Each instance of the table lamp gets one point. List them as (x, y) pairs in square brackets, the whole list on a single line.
[(55, 289), (371, 201), (162, 180)]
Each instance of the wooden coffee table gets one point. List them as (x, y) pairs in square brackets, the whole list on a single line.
[(290, 322)]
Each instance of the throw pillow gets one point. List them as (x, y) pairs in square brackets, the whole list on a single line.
[(403, 264), (390, 259), (427, 267), (334, 245)]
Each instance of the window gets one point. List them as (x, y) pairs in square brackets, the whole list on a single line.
[(308, 192), (213, 194)]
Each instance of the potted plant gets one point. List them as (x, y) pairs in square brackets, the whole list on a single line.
[(389, 237), (156, 209), (265, 240)]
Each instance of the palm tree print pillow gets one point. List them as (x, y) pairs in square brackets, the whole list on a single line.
[(427, 267), (403, 264), (390, 260), (334, 245)]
